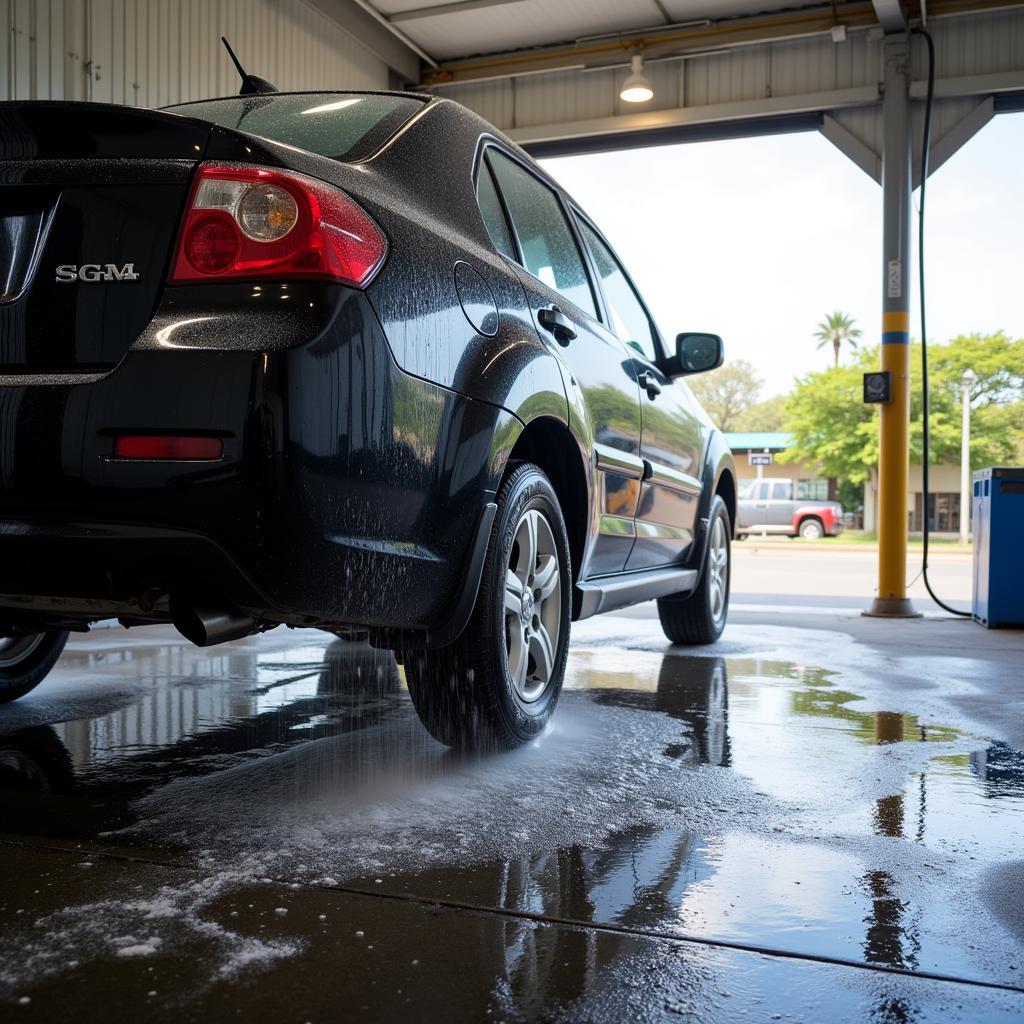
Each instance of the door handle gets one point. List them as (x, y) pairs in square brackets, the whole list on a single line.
[(649, 383), (555, 321)]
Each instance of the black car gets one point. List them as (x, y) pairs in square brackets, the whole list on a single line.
[(342, 360)]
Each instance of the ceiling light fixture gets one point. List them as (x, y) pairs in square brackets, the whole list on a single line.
[(636, 88)]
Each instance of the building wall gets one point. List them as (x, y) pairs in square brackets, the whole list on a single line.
[(785, 470), (157, 52), (944, 479)]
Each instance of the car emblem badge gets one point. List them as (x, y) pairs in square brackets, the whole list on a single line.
[(93, 273)]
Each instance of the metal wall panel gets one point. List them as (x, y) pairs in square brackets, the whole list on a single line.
[(156, 52)]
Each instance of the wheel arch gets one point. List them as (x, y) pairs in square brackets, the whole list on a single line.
[(726, 489), (803, 514), (548, 444)]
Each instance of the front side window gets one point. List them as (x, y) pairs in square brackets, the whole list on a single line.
[(549, 250), (628, 317)]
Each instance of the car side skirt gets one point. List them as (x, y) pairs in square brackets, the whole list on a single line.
[(606, 594)]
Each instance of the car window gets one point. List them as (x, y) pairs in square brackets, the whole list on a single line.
[(747, 490), (782, 491), (628, 318), (493, 214), (762, 491), (344, 126), (549, 250)]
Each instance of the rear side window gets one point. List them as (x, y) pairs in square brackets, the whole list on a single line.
[(628, 317), (345, 126), (493, 214), (549, 250), (782, 491)]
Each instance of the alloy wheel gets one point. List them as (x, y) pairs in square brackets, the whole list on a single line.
[(533, 606), (718, 568), (15, 649)]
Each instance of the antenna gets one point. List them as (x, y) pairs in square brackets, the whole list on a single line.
[(251, 84)]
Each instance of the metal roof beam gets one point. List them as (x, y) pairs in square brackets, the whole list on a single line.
[(457, 7), (850, 146), (959, 135), (891, 15), (381, 40), (719, 113)]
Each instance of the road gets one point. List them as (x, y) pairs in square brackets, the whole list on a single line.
[(797, 570)]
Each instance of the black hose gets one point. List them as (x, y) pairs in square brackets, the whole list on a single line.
[(925, 146)]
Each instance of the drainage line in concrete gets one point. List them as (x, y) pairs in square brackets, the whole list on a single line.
[(620, 929)]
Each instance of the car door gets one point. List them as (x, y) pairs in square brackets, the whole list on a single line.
[(780, 504), (671, 434), (755, 512), (563, 303)]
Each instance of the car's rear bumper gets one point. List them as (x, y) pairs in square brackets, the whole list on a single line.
[(348, 494)]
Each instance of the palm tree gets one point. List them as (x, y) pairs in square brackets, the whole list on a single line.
[(835, 329)]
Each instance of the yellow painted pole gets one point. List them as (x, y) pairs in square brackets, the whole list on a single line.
[(894, 434), (894, 460)]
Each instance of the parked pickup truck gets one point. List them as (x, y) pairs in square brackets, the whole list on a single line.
[(769, 506)]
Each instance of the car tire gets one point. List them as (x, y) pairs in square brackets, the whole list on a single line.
[(699, 618), (811, 529), (34, 760), (498, 684), (26, 660)]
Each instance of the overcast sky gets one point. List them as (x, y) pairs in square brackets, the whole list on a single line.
[(757, 239)]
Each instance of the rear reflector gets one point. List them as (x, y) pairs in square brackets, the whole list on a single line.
[(181, 449), (245, 222)]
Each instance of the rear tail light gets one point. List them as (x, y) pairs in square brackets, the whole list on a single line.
[(175, 447), (246, 222)]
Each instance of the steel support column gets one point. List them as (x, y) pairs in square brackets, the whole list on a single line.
[(894, 441)]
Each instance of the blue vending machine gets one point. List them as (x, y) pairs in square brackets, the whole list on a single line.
[(999, 546)]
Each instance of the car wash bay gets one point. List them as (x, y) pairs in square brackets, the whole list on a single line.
[(819, 817)]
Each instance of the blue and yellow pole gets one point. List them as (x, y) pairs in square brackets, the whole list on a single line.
[(894, 430)]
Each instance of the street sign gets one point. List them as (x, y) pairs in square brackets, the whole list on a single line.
[(759, 458)]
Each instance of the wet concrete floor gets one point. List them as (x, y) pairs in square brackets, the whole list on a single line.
[(815, 819)]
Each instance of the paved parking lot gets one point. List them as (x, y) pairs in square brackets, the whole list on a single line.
[(819, 817)]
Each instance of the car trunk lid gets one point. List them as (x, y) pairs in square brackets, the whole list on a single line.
[(91, 197)]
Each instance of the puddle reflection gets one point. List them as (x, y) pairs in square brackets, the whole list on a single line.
[(879, 796)]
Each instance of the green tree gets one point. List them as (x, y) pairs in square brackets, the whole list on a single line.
[(836, 329), (832, 425), (727, 392), (769, 415)]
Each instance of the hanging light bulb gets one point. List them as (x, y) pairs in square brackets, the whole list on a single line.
[(636, 88)]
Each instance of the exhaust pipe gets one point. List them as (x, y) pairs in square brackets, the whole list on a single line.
[(205, 623)]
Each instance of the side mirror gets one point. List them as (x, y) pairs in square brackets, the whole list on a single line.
[(696, 353)]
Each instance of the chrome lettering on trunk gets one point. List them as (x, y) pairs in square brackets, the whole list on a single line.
[(90, 273)]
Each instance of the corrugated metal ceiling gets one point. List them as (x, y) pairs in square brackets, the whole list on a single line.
[(471, 28)]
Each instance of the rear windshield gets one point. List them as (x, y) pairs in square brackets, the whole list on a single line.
[(345, 126)]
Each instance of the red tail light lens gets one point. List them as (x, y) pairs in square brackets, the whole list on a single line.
[(245, 222), (168, 447)]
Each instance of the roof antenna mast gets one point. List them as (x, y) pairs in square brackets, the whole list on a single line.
[(251, 84)]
